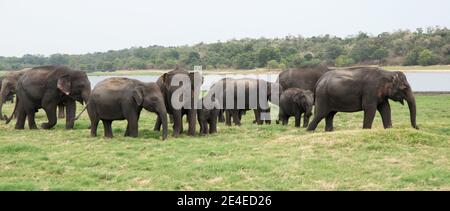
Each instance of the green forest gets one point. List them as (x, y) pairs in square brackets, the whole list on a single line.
[(423, 47)]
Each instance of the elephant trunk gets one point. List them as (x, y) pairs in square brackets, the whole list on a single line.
[(3, 96), (412, 109), (162, 113), (14, 111), (86, 94)]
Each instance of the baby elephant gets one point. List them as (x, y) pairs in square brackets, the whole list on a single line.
[(122, 98), (295, 102), (208, 115)]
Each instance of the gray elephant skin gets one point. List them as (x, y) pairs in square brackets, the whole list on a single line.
[(122, 98), (365, 89), (303, 77), (167, 89), (9, 96), (208, 115), (47, 87), (228, 87), (296, 102), (8, 87)]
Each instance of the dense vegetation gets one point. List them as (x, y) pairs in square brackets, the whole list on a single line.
[(249, 157), (421, 47)]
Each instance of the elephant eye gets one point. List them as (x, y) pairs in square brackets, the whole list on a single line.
[(404, 87)]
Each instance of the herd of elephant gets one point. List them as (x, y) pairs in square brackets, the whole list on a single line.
[(297, 91)]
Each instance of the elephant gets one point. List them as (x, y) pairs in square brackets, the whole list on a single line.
[(168, 89), (207, 115), (8, 87), (120, 98), (303, 78), (218, 88), (228, 87), (230, 117), (295, 102), (365, 89), (47, 87), (9, 97)]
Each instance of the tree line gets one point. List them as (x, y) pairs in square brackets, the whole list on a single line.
[(424, 47)]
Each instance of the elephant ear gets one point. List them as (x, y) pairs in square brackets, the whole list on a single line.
[(64, 84), (397, 83), (302, 100), (165, 78), (298, 98), (138, 96)]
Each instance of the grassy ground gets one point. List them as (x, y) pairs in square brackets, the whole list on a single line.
[(250, 157)]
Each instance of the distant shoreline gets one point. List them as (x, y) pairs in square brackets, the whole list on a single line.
[(440, 69), (153, 72)]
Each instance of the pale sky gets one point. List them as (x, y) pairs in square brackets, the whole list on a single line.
[(82, 26)]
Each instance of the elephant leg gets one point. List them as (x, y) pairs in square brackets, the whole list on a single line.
[(305, 121), (127, 131), (31, 120), (267, 121), (205, 128), (3, 95), (319, 114), (1, 110), (298, 117), (94, 125), (159, 122), (201, 127), (70, 114), (329, 121), (369, 115), (221, 116), (93, 118), (241, 113), (132, 126), (213, 125), (256, 116), (228, 118), (170, 119), (177, 123), (280, 117), (107, 127), (181, 125), (385, 111), (192, 120), (61, 113), (258, 119), (236, 119), (21, 116), (285, 120), (50, 110)]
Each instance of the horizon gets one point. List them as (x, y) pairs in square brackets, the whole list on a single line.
[(231, 39)]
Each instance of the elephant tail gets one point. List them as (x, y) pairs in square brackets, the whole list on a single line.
[(14, 111), (84, 109)]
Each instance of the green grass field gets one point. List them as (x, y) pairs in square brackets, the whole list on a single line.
[(250, 157)]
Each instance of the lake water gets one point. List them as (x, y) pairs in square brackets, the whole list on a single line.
[(419, 81)]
